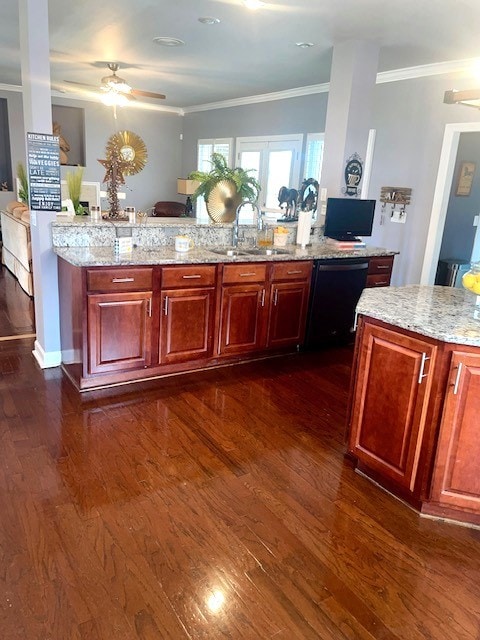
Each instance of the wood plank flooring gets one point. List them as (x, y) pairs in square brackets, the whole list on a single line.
[(214, 505), (16, 308)]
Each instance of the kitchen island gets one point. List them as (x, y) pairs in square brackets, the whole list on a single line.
[(155, 312), (414, 415)]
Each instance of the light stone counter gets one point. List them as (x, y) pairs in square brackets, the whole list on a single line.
[(443, 313), (82, 242)]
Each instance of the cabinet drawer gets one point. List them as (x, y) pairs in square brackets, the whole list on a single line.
[(382, 280), (381, 265), (249, 272), (126, 279), (292, 270), (190, 276)]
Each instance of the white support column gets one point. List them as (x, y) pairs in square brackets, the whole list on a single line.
[(34, 49), (350, 98)]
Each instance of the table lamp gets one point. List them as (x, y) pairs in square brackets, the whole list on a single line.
[(186, 188)]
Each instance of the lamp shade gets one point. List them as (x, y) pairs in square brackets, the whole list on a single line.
[(186, 187)]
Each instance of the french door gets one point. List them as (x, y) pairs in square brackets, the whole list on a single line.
[(275, 161)]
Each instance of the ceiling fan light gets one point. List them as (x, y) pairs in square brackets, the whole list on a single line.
[(253, 4), (114, 99)]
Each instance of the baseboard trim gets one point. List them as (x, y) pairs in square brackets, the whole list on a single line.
[(46, 359)]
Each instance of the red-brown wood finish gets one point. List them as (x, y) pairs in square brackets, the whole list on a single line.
[(379, 271), (186, 324), (288, 308), (242, 318), (456, 481), (390, 403), (119, 331)]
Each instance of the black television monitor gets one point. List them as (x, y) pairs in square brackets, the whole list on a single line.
[(345, 218)]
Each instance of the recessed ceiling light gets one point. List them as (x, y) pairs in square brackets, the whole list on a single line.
[(253, 4), (165, 41), (304, 45), (209, 20)]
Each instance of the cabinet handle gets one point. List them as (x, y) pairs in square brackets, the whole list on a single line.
[(165, 306), (149, 308), (123, 280), (422, 375), (355, 321), (275, 298), (292, 273), (190, 277), (263, 298), (457, 378), (247, 275), (382, 266), (380, 283)]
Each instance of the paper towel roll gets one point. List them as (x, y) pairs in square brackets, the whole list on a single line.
[(304, 227)]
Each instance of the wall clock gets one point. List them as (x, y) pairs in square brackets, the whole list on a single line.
[(132, 150)]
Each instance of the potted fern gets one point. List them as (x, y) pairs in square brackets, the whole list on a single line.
[(224, 189)]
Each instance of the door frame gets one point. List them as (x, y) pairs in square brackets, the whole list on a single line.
[(446, 167)]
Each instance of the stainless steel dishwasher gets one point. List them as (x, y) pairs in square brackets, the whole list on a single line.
[(336, 288)]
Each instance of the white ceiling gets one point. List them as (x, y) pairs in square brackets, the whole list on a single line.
[(247, 53)]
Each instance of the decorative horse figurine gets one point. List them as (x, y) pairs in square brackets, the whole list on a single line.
[(289, 198)]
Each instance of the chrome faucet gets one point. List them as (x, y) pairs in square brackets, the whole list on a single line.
[(258, 217)]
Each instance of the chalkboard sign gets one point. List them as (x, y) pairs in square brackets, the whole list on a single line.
[(43, 162)]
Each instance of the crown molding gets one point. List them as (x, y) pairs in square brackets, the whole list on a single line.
[(396, 75), (263, 97)]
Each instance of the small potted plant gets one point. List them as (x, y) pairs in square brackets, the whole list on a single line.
[(224, 189), (74, 185)]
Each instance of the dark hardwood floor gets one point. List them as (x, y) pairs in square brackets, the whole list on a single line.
[(16, 308), (214, 505)]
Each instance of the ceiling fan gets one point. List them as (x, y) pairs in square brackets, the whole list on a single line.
[(116, 91)]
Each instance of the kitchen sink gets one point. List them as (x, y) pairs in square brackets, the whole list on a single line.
[(266, 251), (230, 252)]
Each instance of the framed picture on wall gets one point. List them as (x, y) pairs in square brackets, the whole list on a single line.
[(465, 178)]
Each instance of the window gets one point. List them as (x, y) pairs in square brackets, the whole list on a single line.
[(313, 156), (276, 164), (205, 149)]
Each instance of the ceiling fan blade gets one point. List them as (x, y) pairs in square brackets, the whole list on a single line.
[(147, 94), (83, 84)]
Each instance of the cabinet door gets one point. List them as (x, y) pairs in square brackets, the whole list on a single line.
[(243, 318), (456, 481), (186, 325), (390, 401), (119, 331), (288, 308)]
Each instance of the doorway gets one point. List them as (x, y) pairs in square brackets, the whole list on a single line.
[(441, 197)]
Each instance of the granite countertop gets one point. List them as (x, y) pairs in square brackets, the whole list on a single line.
[(147, 255), (444, 313)]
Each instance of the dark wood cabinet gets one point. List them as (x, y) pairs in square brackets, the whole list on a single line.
[(391, 394), (186, 325), (187, 309), (456, 480), (119, 331), (379, 271), (289, 293), (242, 318)]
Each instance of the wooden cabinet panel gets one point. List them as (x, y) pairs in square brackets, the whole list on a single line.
[(188, 276), (246, 272), (186, 326), (390, 401), (120, 279), (288, 309), (379, 271), (380, 280), (119, 331), (292, 270), (242, 318), (456, 481)]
